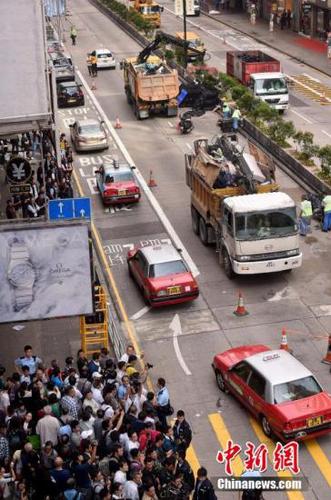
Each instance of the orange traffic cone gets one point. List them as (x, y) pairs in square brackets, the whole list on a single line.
[(327, 358), (118, 123), (283, 343), (151, 182), (93, 86), (241, 310)]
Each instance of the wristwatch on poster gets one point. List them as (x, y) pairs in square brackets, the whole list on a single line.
[(21, 274)]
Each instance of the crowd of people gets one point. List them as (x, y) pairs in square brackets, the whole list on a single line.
[(49, 180), (90, 430)]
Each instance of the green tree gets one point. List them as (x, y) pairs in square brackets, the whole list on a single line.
[(324, 155), (305, 141), (280, 130)]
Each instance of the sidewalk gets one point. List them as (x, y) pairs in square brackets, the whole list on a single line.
[(309, 51)]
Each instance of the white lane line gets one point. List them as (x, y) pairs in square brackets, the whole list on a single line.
[(140, 313), (326, 133), (311, 77), (176, 327), (149, 195), (189, 146), (301, 116), (170, 125)]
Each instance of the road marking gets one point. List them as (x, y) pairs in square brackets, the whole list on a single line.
[(176, 327), (320, 458), (326, 133), (312, 78), (192, 459), (292, 495), (170, 124), (140, 313), (150, 196), (189, 147), (320, 94), (223, 437), (301, 116), (92, 185)]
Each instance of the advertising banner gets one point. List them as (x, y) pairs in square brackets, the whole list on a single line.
[(55, 7), (45, 272)]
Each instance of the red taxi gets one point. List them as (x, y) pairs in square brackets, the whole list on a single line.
[(279, 390), (162, 275), (117, 184)]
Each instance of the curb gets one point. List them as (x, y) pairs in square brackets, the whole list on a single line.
[(266, 44)]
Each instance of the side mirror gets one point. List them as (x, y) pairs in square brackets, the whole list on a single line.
[(161, 9), (133, 167)]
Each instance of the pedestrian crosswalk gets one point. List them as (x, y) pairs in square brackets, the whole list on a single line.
[(315, 459), (311, 88)]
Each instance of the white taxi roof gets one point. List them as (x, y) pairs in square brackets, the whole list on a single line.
[(278, 366), (257, 202), (160, 253)]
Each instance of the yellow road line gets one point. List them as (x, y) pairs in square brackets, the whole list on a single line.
[(190, 454), (320, 458), (223, 437), (292, 495)]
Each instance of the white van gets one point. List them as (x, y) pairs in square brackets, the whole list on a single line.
[(197, 7), (105, 59)]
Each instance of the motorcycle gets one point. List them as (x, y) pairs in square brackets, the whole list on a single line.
[(185, 124)]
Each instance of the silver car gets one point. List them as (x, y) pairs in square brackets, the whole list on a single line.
[(88, 135)]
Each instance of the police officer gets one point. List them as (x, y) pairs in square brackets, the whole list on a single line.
[(203, 490), (327, 213), (306, 214), (93, 59)]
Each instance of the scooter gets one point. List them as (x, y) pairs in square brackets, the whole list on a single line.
[(185, 124)]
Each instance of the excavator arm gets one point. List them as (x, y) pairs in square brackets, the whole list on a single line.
[(162, 37)]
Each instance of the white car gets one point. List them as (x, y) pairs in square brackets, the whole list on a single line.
[(105, 59)]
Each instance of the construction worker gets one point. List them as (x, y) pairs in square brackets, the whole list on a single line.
[(236, 116), (94, 63), (306, 213), (89, 64), (326, 202), (73, 34), (226, 110)]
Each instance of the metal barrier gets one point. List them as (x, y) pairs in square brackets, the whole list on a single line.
[(117, 339)]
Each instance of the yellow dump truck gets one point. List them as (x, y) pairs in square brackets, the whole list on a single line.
[(150, 10), (235, 203), (151, 86), (196, 49)]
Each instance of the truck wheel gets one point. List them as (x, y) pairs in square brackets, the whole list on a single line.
[(129, 97), (136, 112), (227, 264), (203, 231), (195, 220)]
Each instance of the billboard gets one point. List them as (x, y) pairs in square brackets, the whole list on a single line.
[(45, 272), (55, 7)]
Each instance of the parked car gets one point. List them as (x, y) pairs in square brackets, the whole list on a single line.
[(162, 275), (69, 94), (88, 135), (105, 59), (277, 388), (117, 183)]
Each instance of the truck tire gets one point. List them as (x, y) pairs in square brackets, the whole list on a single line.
[(136, 112), (203, 231), (227, 264), (195, 220), (129, 97)]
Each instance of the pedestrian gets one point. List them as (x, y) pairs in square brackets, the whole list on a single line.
[(283, 20), (94, 61), (289, 18), (48, 427), (236, 116), (89, 64), (226, 109), (203, 490), (163, 402), (326, 202), (253, 14), (271, 23), (73, 34), (182, 431), (28, 360), (306, 213)]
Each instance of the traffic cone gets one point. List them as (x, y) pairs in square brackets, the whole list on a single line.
[(283, 343), (151, 182), (241, 310), (118, 123), (327, 358)]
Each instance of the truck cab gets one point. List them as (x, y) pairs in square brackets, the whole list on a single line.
[(259, 234), (150, 10), (271, 88)]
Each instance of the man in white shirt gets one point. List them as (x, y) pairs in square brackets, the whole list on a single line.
[(47, 427), (120, 475), (131, 487)]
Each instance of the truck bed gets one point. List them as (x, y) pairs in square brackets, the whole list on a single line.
[(157, 87), (241, 64)]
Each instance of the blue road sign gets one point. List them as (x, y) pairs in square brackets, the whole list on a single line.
[(69, 208)]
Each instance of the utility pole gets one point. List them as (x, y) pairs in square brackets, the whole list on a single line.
[(185, 33)]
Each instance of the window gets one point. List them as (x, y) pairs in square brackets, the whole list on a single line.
[(257, 383), (142, 262), (269, 224), (242, 370), (296, 389), (123, 176), (166, 268), (228, 220)]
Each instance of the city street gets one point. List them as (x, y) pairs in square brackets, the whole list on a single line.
[(208, 326)]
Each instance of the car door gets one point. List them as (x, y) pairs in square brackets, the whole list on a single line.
[(100, 178), (255, 393), (237, 378), (138, 267), (227, 229)]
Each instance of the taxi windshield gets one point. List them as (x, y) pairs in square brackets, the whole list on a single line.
[(122, 176), (166, 268), (92, 128), (296, 389)]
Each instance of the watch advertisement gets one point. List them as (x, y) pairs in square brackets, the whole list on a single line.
[(45, 272)]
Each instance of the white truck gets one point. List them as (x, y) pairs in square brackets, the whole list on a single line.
[(235, 203)]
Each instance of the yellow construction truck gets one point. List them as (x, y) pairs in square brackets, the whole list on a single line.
[(151, 85), (150, 10), (236, 204), (196, 50)]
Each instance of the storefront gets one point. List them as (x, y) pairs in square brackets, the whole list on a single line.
[(315, 18)]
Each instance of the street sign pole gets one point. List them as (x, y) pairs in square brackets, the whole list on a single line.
[(185, 33)]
